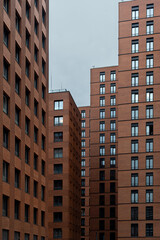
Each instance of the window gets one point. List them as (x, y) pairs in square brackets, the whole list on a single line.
[(112, 162), (16, 235), (58, 152), (27, 10), (5, 171), (135, 29), (18, 22), (6, 36), (26, 213), (17, 84), (83, 153), (112, 112), (134, 113), (101, 187), (102, 77), (27, 180), (149, 145), (149, 27), (135, 46), (5, 104), (102, 175), (134, 179), (35, 189), (134, 129), (135, 63), (112, 200), (113, 150), (35, 135), (112, 125), (83, 123), (58, 105), (102, 126), (43, 117), (101, 200), (82, 221), (113, 75), (6, 5), (135, 12), (102, 101), (5, 210), (112, 175), (149, 179), (58, 184), (83, 134), (27, 39), (35, 107), (149, 44), (83, 172), (16, 209), (43, 41), (134, 213), (58, 121), (102, 138), (113, 87), (102, 162), (58, 137), (43, 142), (102, 88), (58, 200), (150, 10), (149, 213), (35, 237), (5, 137), (83, 113), (43, 16), (102, 151), (35, 213), (134, 96), (27, 124), (102, 113), (149, 111), (149, 230), (112, 137), (17, 116), (17, 178), (17, 53), (149, 78), (134, 163), (101, 224), (101, 236), (58, 217), (27, 68), (82, 182), (113, 100), (43, 167), (112, 236), (26, 236), (83, 143), (58, 168), (43, 92), (27, 97), (5, 234), (35, 163), (35, 53), (135, 79), (149, 61), (149, 162), (35, 26), (134, 146), (42, 193), (17, 147), (5, 70), (112, 212), (149, 196), (134, 196), (43, 66), (57, 233), (134, 230), (149, 128), (112, 187)]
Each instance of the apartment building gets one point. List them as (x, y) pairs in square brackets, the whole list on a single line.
[(138, 120), (64, 167), (85, 170), (23, 119)]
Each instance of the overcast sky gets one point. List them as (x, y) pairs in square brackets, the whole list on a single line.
[(83, 33)]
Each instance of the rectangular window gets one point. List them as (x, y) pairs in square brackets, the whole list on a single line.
[(102, 77), (102, 113), (102, 162), (83, 153), (149, 78), (5, 137), (113, 88), (112, 175), (134, 230), (43, 16), (35, 215), (57, 217), (5, 171), (134, 213), (113, 75), (27, 182), (57, 233), (17, 147), (27, 68), (135, 46), (113, 100), (149, 230), (83, 134), (102, 138), (17, 178), (43, 41), (102, 175), (83, 143), (112, 112), (83, 163), (102, 101), (101, 187), (18, 22), (135, 29), (35, 135), (35, 163), (58, 184), (149, 61), (58, 105), (102, 88), (134, 196), (149, 213), (134, 113), (149, 196), (134, 146), (17, 116), (135, 63), (27, 39), (83, 124), (149, 111), (102, 151), (36, 26), (150, 10), (28, 10), (113, 150), (58, 121), (149, 179), (6, 5), (26, 213), (16, 235), (43, 193), (102, 126), (43, 142), (6, 70), (35, 189), (112, 125), (17, 84), (149, 162), (43, 167), (134, 96), (6, 36), (17, 53), (134, 129), (83, 113), (134, 163), (58, 200), (134, 179), (149, 145), (43, 66), (149, 44), (5, 104), (112, 137), (58, 136), (5, 210), (27, 124), (5, 234), (149, 27), (135, 12), (149, 128), (27, 97), (16, 209), (112, 162)]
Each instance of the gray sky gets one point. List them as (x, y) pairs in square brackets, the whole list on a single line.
[(83, 33)]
